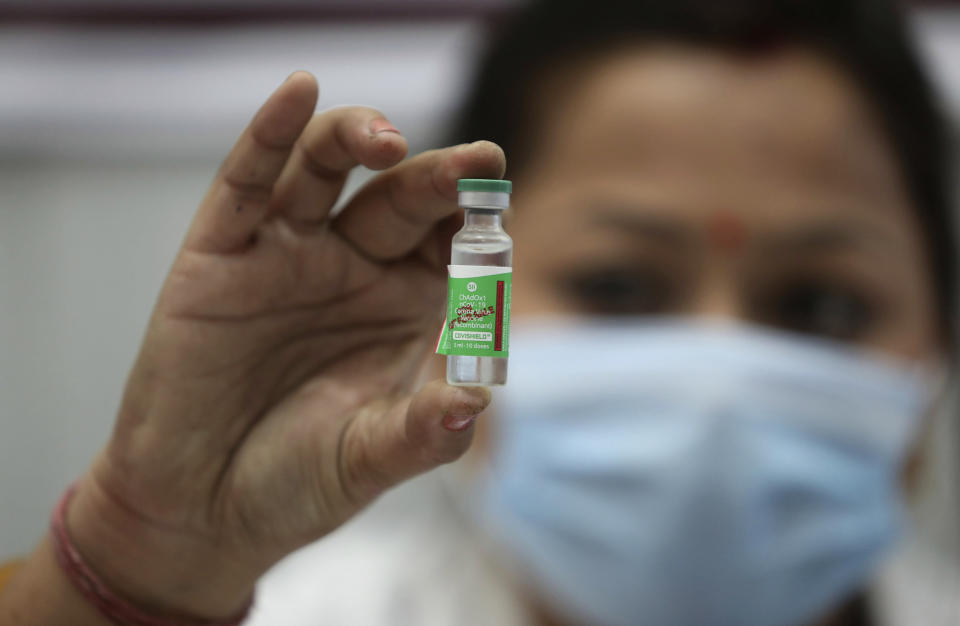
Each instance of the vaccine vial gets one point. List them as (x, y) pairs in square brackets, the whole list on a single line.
[(476, 333)]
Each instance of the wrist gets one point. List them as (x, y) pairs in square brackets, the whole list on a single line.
[(160, 571)]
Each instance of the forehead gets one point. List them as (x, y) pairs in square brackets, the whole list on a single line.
[(715, 130)]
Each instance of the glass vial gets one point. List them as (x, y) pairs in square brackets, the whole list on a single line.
[(476, 333)]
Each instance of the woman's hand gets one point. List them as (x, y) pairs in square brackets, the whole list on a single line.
[(271, 397)]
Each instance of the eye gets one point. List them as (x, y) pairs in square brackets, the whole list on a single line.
[(619, 291), (822, 308)]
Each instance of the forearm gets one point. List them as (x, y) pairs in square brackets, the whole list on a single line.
[(40, 595), (161, 575)]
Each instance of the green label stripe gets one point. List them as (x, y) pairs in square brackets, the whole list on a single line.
[(478, 312)]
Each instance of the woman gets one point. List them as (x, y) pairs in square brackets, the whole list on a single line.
[(733, 303)]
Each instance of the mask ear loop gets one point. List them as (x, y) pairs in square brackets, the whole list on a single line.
[(938, 378)]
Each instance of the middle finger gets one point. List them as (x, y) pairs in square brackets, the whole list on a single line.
[(331, 145)]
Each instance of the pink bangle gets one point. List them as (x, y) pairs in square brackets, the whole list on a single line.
[(110, 605)]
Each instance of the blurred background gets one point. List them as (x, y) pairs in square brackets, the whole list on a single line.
[(114, 116)]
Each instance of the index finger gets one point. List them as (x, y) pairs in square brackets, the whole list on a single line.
[(239, 196)]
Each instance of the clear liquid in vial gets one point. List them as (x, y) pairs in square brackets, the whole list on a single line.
[(479, 370)]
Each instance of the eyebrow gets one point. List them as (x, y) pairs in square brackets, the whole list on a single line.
[(824, 236), (660, 230), (831, 236)]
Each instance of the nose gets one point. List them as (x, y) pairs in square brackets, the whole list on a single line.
[(719, 297)]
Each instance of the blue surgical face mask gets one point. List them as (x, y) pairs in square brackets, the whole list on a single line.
[(689, 474)]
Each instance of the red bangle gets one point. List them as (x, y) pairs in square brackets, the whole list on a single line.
[(110, 605)]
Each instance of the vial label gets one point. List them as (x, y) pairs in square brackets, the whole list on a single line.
[(478, 312)]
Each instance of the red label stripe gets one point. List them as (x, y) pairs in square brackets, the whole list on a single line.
[(498, 328)]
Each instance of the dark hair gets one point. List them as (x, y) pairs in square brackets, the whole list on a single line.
[(867, 39)]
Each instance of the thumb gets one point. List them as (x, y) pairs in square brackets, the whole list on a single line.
[(417, 434)]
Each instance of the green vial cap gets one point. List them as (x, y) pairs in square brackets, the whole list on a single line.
[(484, 184)]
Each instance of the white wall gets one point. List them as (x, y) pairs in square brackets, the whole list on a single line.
[(107, 141)]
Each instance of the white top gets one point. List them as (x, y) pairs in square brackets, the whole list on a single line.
[(413, 559)]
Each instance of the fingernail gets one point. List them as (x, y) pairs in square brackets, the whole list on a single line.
[(382, 126), (458, 423)]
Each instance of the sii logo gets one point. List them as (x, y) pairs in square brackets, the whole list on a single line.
[(471, 286)]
